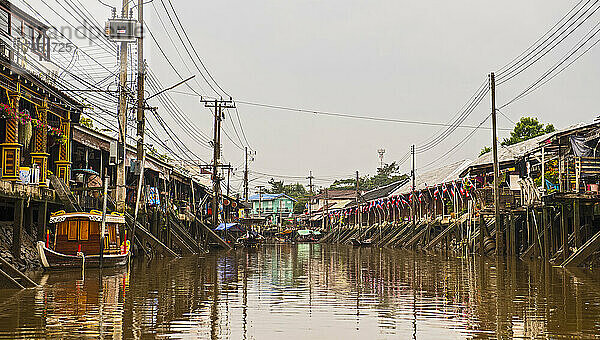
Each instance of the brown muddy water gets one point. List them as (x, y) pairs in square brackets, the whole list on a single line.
[(309, 291)]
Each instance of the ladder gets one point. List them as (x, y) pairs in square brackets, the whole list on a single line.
[(15, 276), (65, 194)]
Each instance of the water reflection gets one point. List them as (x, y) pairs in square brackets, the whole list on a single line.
[(309, 290)]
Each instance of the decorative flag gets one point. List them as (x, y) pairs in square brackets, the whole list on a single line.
[(405, 201), (436, 193), (420, 196)]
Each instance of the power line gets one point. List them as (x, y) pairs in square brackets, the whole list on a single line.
[(542, 79)]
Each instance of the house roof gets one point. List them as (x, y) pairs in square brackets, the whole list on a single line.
[(268, 197), (441, 175), (508, 154), (337, 194), (380, 192)]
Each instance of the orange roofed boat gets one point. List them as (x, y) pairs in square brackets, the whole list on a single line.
[(77, 241)]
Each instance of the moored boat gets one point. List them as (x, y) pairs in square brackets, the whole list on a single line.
[(358, 243), (76, 241)]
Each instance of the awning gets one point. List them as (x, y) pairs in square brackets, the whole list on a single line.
[(230, 227)]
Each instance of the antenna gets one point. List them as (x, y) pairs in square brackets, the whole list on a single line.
[(381, 152)]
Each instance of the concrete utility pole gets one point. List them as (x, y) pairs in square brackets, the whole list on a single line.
[(413, 200), (310, 195), (141, 123), (499, 240), (228, 208), (122, 138), (260, 200), (358, 212), (218, 105), (246, 176)]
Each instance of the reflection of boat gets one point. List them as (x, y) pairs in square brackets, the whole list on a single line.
[(307, 235), (77, 241), (358, 243)]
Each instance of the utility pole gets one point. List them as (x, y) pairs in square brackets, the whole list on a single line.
[(260, 200), (141, 123), (358, 212), (122, 138), (499, 240), (310, 195), (218, 105), (413, 200), (246, 176), (228, 208)]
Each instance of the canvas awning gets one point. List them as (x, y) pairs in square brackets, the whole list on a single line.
[(233, 227)]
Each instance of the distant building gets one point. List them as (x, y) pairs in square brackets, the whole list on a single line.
[(272, 206), (332, 198)]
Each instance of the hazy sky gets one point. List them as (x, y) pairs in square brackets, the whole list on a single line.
[(414, 60)]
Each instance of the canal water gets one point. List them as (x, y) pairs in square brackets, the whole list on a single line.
[(309, 291)]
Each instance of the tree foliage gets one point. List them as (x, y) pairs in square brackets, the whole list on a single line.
[(527, 128), (485, 150), (295, 190), (389, 173)]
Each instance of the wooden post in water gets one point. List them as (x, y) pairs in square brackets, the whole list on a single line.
[(563, 231), (577, 222), (481, 233), (17, 228), (42, 221), (545, 233), (512, 245), (103, 229)]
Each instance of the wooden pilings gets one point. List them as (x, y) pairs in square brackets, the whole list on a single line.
[(17, 228)]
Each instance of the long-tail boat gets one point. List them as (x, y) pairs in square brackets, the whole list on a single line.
[(76, 241)]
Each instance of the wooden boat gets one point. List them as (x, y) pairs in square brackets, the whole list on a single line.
[(250, 239), (358, 243), (77, 241)]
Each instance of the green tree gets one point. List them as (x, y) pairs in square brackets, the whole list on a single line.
[(276, 187), (296, 191), (389, 173), (527, 128), (485, 150)]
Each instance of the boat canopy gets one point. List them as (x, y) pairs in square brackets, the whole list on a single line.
[(230, 227), (306, 232), (61, 216)]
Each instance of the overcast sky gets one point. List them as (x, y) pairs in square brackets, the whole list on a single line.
[(413, 60)]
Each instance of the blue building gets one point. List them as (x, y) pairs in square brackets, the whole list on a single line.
[(272, 206)]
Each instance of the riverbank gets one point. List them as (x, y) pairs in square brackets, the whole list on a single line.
[(29, 258)]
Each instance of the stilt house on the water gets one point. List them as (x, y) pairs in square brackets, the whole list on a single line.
[(50, 162), (36, 119), (548, 204)]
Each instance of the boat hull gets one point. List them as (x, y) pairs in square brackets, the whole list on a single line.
[(54, 260), (358, 243)]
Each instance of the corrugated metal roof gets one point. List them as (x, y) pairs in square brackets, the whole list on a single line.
[(445, 174), (268, 197), (512, 152)]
